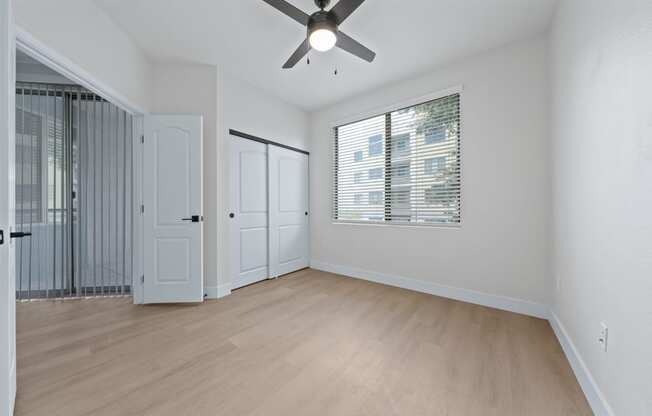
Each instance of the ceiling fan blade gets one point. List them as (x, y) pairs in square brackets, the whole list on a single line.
[(289, 10), (344, 8), (301, 51), (354, 47)]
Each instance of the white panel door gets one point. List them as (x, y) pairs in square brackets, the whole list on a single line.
[(7, 211), (288, 211), (248, 256), (172, 218)]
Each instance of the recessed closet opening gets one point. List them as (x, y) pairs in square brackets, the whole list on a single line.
[(269, 228)]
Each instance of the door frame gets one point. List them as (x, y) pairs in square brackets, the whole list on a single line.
[(37, 49), (7, 147)]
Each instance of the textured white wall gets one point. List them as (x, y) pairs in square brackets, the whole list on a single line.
[(251, 110), (225, 103), (501, 247), (83, 33), (601, 53)]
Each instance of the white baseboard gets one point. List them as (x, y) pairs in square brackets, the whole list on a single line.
[(13, 388), (521, 306), (216, 292), (596, 399)]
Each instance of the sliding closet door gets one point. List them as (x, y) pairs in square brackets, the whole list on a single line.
[(248, 215), (288, 211)]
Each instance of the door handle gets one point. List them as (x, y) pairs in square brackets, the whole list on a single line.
[(19, 235), (194, 218)]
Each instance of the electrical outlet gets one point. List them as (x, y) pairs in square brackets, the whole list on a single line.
[(603, 338)]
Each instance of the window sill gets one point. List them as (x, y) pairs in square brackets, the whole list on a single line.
[(398, 225)]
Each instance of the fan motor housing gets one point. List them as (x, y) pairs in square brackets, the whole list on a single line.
[(321, 20)]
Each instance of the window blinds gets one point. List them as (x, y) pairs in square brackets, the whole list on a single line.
[(400, 167)]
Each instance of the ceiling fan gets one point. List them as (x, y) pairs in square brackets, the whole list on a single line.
[(323, 31)]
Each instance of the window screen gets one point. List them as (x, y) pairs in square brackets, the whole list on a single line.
[(400, 167)]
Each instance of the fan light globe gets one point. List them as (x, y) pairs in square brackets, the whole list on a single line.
[(322, 40)]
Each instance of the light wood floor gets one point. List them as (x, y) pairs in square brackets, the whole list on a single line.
[(310, 343)]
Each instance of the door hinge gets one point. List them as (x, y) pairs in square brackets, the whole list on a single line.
[(142, 279), (142, 209), (142, 138)]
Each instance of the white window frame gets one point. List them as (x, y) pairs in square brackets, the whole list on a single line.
[(410, 102)]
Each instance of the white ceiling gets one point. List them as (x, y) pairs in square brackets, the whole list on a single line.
[(251, 40)]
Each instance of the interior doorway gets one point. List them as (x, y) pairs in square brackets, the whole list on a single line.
[(74, 189)]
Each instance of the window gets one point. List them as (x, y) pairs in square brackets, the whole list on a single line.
[(401, 170), (376, 145), (440, 198), (401, 198), (375, 173), (435, 133), (375, 198), (401, 143), (413, 166), (434, 165), (433, 192)]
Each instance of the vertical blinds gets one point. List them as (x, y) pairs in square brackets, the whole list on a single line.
[(74, 193), (400, 167)]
